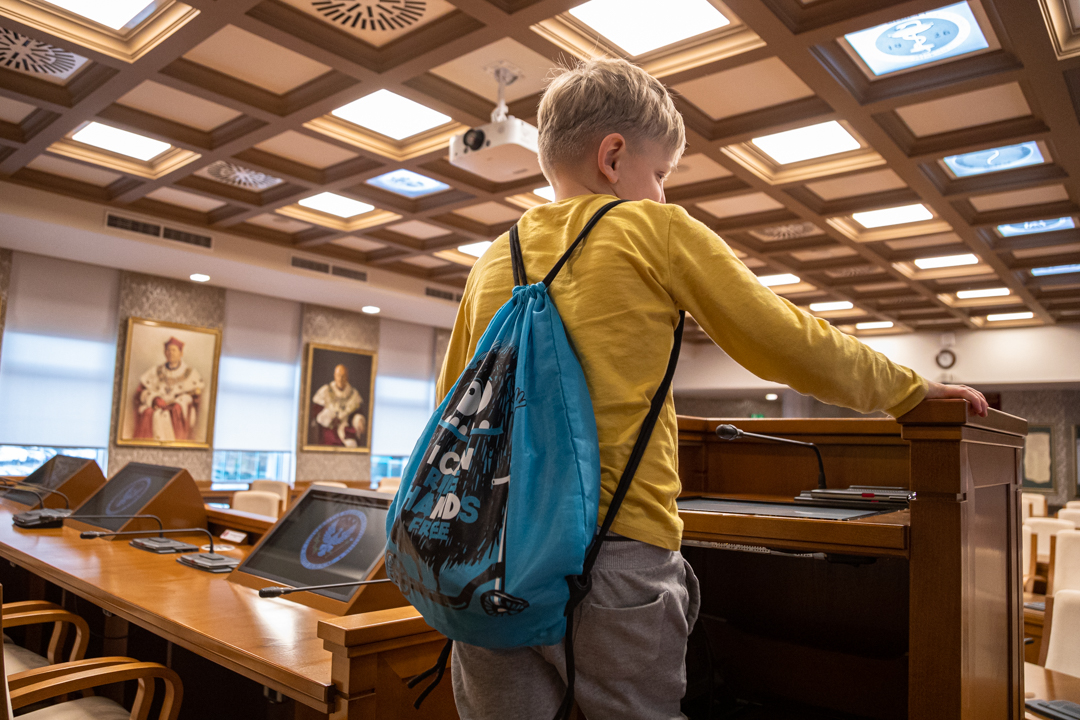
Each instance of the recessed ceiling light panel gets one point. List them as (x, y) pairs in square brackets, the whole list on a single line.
[(391, 115), (984, 293), (1055, 270), (113, 14), (807, 143), (475, 249), (407, 183), (120, 141), (371, 309), (995, 159), (876, 325), (641, 26), (1010, 316), (777, 280), (240, 176), (830, 306), (335, 204), (1036, 226), (947, 261), (547, 192), (946, 32), (892, 216)]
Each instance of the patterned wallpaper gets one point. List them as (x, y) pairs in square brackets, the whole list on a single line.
[(158, 298), (5, 283), (1060, 410), (348, 329)]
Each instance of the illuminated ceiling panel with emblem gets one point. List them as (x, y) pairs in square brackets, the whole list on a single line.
[(905, 171)]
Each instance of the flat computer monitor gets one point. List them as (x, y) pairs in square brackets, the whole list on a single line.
[(140, 489), (76, 478), (331, 535)]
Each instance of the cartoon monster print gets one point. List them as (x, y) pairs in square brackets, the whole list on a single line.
[(453, 517)]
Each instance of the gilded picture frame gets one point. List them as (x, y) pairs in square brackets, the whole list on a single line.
[(1038, 460), (168, 385), (336, 411)]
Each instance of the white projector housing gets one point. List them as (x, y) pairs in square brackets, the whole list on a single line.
[(501, 151)]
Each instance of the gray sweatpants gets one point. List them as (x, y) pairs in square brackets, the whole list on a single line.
[(629, 648)]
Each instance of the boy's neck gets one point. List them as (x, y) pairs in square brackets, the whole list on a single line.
[(569, 186)]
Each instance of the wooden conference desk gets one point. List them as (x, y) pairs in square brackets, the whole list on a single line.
[(348, 667), (931, 629)]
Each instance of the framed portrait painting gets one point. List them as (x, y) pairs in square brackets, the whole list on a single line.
[(1039, 460), (169, 385), (337, 395)]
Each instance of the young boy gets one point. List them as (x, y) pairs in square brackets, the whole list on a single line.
[(609, 130)]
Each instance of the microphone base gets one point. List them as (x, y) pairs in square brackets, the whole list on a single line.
[(162, 546), (209, 562), (40, 519)]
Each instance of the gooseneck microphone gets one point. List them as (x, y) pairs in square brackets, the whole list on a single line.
[(730, 432), (36, 490), (273, 592), (91, 534)]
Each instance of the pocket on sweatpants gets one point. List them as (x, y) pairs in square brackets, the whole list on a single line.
[(620, 642)]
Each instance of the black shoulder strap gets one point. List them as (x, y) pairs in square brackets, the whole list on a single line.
[(517, 259)]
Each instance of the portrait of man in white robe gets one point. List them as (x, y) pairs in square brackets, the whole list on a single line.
[(339, 410), (170, 377)]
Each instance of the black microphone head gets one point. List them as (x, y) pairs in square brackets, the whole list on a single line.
[(272, 592), (728, 432), (89, 535)]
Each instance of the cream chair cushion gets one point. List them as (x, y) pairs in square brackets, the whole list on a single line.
[(18, 659), (91, 708), (1028, 533), (1045, 528), (1037, 503), (1063, 652), (272, 486), (1070, 514), (1073, 505), (258, 502), (1067, 561)]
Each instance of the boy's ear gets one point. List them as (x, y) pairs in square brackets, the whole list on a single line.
[(609, 156)]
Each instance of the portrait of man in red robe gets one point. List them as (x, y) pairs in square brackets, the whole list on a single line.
[(168, 397)]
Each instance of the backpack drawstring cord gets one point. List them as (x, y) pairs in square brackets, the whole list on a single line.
[(439, 667)]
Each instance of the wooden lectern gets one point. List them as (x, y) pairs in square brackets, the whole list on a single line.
[(914, 614), (141, 489)]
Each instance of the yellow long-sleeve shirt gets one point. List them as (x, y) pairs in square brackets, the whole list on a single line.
[(619, 297)]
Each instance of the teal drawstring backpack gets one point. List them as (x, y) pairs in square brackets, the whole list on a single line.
[(492, 534)]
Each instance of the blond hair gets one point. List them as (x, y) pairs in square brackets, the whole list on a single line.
[(595, 98)]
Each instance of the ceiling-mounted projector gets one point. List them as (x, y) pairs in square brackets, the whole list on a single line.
[(503, 150)]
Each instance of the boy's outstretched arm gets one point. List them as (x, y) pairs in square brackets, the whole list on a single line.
[(777, 341)]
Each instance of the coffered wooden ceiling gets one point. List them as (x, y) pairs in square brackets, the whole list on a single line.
[(243, 93)]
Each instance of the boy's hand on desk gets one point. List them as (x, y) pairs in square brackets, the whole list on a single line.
[(938, 391)]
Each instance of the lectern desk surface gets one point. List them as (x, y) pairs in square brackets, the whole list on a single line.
[(719, 504)]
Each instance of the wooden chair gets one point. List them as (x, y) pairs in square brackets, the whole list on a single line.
[(273, 486), (1061, 633), (258, 502), (1063, 572), (1070, 514), (38, 612), (1045, 528), (1035, 504), (1030, 553), (35, 686), (1073, 505), (389, 485)]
